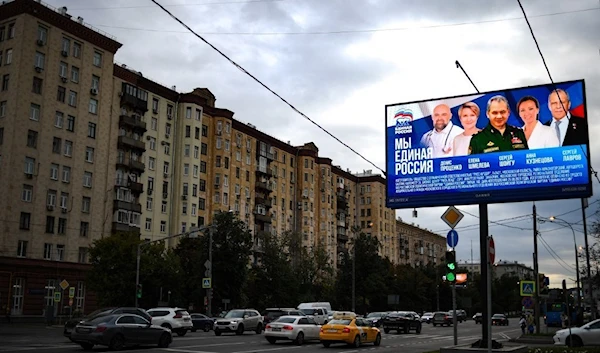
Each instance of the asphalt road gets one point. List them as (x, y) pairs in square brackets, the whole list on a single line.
[(431, 338)]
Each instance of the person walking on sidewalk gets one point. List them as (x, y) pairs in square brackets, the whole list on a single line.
[(523, 324)]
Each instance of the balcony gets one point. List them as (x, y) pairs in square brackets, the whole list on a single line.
[(343, 238), (341, 223), (263, 186), (267, 172), (131, 164), (122, 227), (133, 101), (263, 201), (341, 249), (342, 202), (136, 187), (134, 122), (127, 206), (131, 143), (261, 217)]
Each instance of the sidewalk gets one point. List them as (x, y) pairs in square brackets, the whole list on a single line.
[(30, 334)]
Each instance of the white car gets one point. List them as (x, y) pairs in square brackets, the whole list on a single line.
[(586, 335), (427, 318), (177, 320), (293, 328)]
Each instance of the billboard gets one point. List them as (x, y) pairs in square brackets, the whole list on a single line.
[(520, 144)]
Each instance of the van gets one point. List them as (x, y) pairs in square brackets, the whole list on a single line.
[(320, 311), (325, 305)]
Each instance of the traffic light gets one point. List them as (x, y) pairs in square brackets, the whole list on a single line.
[(451, 266), (139, 290)]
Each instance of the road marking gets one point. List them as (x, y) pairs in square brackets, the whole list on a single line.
[(184, 350), (215, 344), (266, 350)]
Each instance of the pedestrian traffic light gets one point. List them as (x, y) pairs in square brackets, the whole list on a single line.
[(451, 266), (139, 290)]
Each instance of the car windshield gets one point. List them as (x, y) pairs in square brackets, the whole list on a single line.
[(498, 316), (397, 314), (99, 320), (340, 322), (376, 315), (100, 312), (427, 314), (235, 314), (182, 312), (309, 311), (286, 320)]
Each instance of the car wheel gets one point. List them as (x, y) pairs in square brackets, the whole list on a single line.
[(356, 343), (386, 330), (377, 340), (240, 330), (258, 329), (181, 333), (117, 342), (419, 329), (166, 326), (207, 327), (87, 346), (164, 341), (574, 341), (217, 332), (434, 324), (326, 344), (271, 340), (299, 339)]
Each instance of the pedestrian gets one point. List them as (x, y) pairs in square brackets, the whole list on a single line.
[(523, 324)]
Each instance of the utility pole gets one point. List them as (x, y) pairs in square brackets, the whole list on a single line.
[(536, 302), (587, 261), (211, 230)]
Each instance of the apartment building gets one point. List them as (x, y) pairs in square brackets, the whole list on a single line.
[(419, 247), (55, 92)]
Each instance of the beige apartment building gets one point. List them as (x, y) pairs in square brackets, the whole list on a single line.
[(89, 148), (419, 247)]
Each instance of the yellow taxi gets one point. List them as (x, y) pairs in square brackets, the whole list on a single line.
[(345, 327)]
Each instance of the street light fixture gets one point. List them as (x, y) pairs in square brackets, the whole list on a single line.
[(562, 221)]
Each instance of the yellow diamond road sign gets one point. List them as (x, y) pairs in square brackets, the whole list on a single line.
[(452, 216), (64, 284)]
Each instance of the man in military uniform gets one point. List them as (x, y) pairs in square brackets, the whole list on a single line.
[(497, 136)]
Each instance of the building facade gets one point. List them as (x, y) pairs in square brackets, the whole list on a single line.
[(89, 148)]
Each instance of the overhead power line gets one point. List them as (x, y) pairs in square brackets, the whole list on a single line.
[(349, 31), (267, 87)]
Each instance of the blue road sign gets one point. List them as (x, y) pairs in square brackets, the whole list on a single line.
[(452, 238), (527, 302)]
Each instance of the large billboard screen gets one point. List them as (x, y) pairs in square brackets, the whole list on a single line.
[(520, 144)]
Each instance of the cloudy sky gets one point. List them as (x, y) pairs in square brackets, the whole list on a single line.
[(341, 61)]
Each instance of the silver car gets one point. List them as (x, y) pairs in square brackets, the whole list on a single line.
[(293, 328), (238, 321), (119, 330)]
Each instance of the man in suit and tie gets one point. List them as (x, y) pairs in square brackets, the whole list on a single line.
[(570, 129)]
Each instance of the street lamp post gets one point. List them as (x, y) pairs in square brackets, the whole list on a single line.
[(579, 312), (193, 233)]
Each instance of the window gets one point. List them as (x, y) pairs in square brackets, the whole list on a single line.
[(70, 123), (202, 167), (227, 127), (202, 185), (95, 82), (62, 226), (50, 224), (151, 163), (197, 133), (2, 109), (204, 130), (226, 162), (68, 148), (66, 46), (25, 220), (48, 251), (76, 50), (63, 69), (154, 124), (167, 149), (163, 226), (29, 165), (60, 94), (84, 229), (82, 259), (186, 169), (187, 131), (198, 114), (86, 203), (163, 207), (72, 98), (32, 138), (54, 171), (188, 112), (93, 108), (194, 209), (64, 199), (204, 149), (27, 193), (169, 111), (37, 85), (89, 154), (184, 209), (34, 112), (148, 226), (218, 161), (87, 179), (80, 296), (66, 174), (97, 59), (22, 248), (195, 171), (92, 130), (1, 135), (56, 145), (155, 105), (40, 60), (5, 80), (194, 190), (11, 31), (166, 167), (186, 150), (201, 204), (74, 74), (9, 56), (219, 143), (60, 251)]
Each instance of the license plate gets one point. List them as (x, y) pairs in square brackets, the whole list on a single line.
[(331, 330), (276, 329)]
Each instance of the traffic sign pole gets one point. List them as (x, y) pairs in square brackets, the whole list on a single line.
[(454, 319)]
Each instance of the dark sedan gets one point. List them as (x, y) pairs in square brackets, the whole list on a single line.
[(375, 318), (202, 322), (70, 324), (401, 321), (500, 320), (119, 330)]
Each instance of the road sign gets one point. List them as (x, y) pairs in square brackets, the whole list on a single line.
[(452, 238), (225, 301), (64, 284), (527, 302), (71, 292), (527, 288), (452, 216), (57, 296), (207, 264), (206, 283), (492, 251)]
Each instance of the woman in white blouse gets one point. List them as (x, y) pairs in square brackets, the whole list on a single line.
[(468, 113), (538, 135)]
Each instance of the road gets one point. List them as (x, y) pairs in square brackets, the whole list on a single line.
[(431, 338)]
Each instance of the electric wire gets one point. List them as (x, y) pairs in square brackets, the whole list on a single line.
[(569, 268), (268, 88)]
